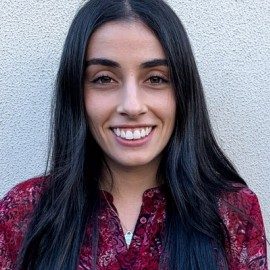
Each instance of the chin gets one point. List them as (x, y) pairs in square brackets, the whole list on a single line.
[(135, 161), (133, 164)]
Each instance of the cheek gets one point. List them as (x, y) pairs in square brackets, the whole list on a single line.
[(98, 110), (171, 106), (92, 108), (166, 108)]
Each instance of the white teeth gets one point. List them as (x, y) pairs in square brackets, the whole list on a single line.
[(132, 134), (143, 133), (136, 134), (123, 134), (118, 132), (129, 135)]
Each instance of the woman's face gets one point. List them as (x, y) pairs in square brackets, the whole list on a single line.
[(128, 96)]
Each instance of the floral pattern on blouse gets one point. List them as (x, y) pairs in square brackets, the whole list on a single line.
[(246, 247)]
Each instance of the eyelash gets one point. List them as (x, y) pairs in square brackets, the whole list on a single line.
[(164, 79), (97, 80)]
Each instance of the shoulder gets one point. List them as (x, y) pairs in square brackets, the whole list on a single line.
[(16, 209), (20, 201), (241, 214), (241, 204), (241, 194), (28, 186), (23, 195)]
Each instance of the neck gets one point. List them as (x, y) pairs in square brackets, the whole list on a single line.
[(129, 182)]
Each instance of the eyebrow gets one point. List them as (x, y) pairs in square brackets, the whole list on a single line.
[(154, 63), (113, 64)]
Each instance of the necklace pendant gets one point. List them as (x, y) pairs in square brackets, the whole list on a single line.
[(128, 237)]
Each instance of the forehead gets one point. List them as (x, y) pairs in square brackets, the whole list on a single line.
[(124, 39)]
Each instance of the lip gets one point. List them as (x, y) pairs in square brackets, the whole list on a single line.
[(132, 126), (134, 143)]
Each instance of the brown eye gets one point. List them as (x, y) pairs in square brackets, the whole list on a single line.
[(102, 80), (157, 80)]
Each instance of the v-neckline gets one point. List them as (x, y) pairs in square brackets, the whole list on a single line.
[(150, 196)]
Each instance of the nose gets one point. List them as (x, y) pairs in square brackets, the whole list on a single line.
[(131, 101)]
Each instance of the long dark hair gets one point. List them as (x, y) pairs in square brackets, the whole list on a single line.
[(195, 170)]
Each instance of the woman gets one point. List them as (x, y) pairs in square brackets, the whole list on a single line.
[(136, 180)]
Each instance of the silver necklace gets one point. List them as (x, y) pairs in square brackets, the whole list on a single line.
[(128, 234)]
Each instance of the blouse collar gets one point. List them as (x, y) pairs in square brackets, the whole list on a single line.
[(150, 194)]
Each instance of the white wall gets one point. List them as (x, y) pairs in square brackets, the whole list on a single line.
[(231, 41)]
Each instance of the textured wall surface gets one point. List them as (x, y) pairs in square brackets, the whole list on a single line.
[(231, 41)]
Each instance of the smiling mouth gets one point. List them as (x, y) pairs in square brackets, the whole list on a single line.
[(132, 133)]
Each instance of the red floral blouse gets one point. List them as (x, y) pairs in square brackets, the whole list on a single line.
[(247, 238)]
